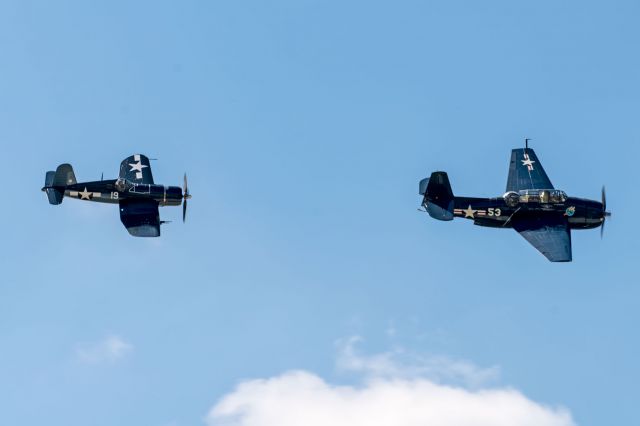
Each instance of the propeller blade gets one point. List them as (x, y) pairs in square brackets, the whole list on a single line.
[(184, 210), (605, 213), (185, 196)]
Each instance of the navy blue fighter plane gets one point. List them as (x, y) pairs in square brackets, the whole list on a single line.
[(134, 191), (544, 216)]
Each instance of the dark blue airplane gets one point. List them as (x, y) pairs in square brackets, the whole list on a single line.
[(544, 216), (134, 191)]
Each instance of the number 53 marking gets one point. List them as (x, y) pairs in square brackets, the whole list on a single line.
[(494, 212)]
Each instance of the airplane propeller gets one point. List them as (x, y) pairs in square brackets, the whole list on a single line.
[(186, 196), (605, 213)]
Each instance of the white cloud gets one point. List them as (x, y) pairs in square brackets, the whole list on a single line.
[(393, 393), (400, 363), (110, 349)]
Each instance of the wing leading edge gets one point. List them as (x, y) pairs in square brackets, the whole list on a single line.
[(550, 235), (526, 172)]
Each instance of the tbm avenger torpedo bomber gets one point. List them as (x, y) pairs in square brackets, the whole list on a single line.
[(544, 216), (134, 190)]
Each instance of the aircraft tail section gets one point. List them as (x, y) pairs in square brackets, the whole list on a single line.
[(438, 196), (48, 179), (55, 196), (64, 176), (56, 182)]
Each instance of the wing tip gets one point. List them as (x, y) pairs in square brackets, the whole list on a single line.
[(145, 231)]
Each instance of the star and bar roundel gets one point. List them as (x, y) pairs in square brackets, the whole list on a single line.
[(472, 213), (85, 195)]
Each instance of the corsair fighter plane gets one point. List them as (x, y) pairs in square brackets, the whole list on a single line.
[(134, 191), (543, 215)]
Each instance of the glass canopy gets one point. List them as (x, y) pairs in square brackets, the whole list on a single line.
[(542, 196)]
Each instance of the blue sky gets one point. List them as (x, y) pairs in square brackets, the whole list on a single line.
[(304, 127)]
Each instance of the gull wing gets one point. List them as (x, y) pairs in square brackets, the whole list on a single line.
[(526, 172), (549, 234), (140, 217), (136, 169)]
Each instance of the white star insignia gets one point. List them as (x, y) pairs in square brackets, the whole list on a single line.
[(528, 162), (469, 212), (137, 166), (85, 195)]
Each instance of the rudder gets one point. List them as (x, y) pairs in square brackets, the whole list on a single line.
[(56, 182), (438, 196), (64, 176)]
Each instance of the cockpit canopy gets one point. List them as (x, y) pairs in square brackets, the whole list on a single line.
[(123, 184), (542, 196)]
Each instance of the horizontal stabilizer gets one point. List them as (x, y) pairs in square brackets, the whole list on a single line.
[(55, 196), (48, 180), (423, 186)]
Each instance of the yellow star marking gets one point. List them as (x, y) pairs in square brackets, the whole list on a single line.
[(85, 195), (469, 212)]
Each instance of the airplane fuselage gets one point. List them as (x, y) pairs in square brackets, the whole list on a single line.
[(497, 212), (112, 191), (135, 192), (532, 206)]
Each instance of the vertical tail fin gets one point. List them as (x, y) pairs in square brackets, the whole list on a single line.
[(64, 176), (438, 196), (56, 182)]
